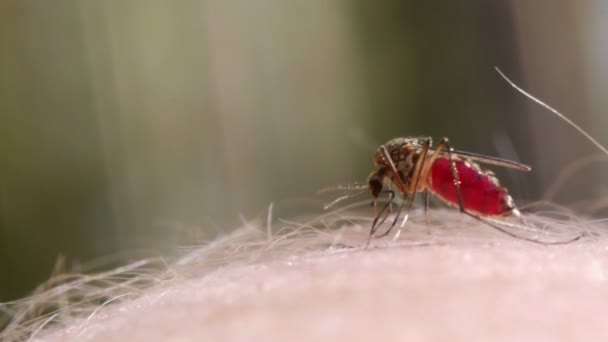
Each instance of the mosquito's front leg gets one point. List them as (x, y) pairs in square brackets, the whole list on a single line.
[(375, 223), (413, 188)]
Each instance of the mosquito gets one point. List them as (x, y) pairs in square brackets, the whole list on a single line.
[(412, 165)]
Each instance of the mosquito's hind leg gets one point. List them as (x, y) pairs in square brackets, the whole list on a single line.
[(504, 231), (426, 211), (515, 212)]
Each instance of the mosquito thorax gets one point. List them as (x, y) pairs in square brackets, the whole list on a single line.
[(404, 153), (399, 147)]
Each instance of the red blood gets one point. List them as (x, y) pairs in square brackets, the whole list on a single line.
[(479, 193)]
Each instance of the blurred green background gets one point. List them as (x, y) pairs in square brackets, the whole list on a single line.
[(125, 123)]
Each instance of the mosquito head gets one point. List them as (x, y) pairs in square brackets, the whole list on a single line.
[(376, 182)]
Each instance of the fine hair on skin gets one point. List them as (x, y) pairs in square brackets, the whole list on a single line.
[(77, 307)]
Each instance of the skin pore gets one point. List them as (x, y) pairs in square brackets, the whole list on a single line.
[(459, 281)]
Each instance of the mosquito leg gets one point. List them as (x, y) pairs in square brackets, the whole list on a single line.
[(504, 231), (398, 181), (400, 186), (375, 223), (387, 207), (426, 211), (394, 221), (415, 181), (455, 176), (390, 207)]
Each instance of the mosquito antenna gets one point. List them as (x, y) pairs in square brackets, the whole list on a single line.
[(554, 111), (348, 187), (353, 189)]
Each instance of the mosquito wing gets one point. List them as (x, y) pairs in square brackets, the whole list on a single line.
[(492, 160)]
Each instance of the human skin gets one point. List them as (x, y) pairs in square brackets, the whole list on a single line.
[(460, 281)]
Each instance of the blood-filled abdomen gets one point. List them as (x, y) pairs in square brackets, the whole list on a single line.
[(481, 193)]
